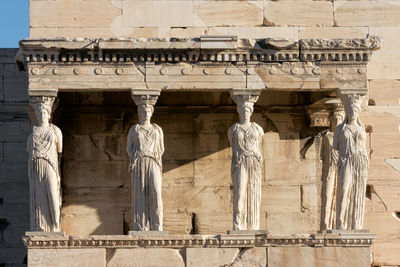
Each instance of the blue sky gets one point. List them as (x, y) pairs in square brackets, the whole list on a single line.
[(14, 22)]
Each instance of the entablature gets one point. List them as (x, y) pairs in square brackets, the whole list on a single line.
[(205, 63)]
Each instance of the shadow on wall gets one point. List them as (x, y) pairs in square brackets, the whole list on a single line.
[(197, 187)]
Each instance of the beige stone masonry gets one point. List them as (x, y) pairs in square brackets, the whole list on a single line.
[(367, 13), (298, 13), (385, 62), (228, 13), (158, 13), (72, 13)]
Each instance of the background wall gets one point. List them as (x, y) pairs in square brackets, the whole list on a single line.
[(14, 188), (197, 192)]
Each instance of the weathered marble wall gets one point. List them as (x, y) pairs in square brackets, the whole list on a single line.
[(14, 190), (197, 187)]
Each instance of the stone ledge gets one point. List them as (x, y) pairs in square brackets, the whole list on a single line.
[(204, 241)]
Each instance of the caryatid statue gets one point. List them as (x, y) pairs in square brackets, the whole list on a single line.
[(44, 145), (350, 141), (145, 147), (329, 169), (245, 138)]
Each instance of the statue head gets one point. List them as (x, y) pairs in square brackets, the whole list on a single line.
[(245, 105), (336, 117), (43, 107), (352, 107), (245, 110), (145, 111)]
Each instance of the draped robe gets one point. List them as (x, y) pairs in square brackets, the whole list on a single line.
[(246, 175), (44, 179), (145, 147)]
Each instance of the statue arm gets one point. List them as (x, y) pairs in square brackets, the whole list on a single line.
[(230, 135), (59, 142), (161, 142), (29, 144), (335, 144)]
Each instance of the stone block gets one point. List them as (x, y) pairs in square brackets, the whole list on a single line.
[(367, 13), (95, 147), (280, 198), (12, 255), (7, 55), (275, 147), (290, 33), (385, 61), (385, 252), (157, 13), (296, 172), (197, 199), (15, 153), (177, 222), (78, 122), (15, 213), (232, 13), (177, 174), (217, 123), (384, 145), (380, 170), (88, 220), (81, 14), (179, 147), (204, 257), (93, 257), (14, 233), (190, 32), (107, 173), (318, 256), (1, 152), (214, 223), (1, 82), (381, 122), (212, 172), (95, 210), (252, 257), (333, 32), (14, 172), (385, 92), (15, 84), (210, 145), (383, 224), (298, 13), (14, 131), (15, 192), (389, 197), (145, 257), (309, 197), (291, 222)]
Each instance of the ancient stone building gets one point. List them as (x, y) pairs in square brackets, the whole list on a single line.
[(297, 55)]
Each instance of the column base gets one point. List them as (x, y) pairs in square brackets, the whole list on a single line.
[(148, 233), (38, 233), (247, 232)]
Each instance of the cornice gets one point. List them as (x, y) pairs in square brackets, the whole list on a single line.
[(205, 48)]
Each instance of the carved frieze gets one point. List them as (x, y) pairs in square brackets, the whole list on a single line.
[(205, 241)]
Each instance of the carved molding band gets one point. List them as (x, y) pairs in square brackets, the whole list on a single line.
[(207, 241)]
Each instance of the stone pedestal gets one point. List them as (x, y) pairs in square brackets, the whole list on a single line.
[(308, 250), (148, 233)]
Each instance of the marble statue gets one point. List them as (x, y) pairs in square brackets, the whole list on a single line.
[(44, 145), (350, 141), (329, 171), (245, 138), (145, 147)]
